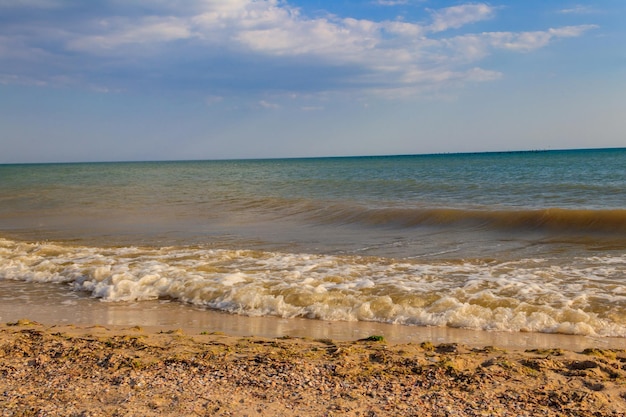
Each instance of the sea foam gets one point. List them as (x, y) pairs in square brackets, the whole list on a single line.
[(586, 297)]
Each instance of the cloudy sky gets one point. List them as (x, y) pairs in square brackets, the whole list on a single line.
[(105, 80)]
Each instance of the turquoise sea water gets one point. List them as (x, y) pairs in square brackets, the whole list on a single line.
[(527, 241)]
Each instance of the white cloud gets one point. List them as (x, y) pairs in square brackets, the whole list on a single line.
[(482, 75), (269, 45), (41, 4), (528, 41), (7, 79), (456, 16), (403, 29), (268, 105), (473, 47), (120, 31), (579, 9), (571, 31), (391, 2)]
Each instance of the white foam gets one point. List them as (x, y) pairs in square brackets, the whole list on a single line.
[(584, 296)]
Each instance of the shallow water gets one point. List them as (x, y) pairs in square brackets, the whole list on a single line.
[(521, 242), (56, 306)]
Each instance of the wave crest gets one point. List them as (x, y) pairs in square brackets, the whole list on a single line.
[(552, 219)]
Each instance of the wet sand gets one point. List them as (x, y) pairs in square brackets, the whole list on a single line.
[(77, 356), (53, 304), (63, 370)]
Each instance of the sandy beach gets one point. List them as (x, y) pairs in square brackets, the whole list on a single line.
[(67, 370)]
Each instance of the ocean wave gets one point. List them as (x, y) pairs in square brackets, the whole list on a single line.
[(550, 219), (377, 214), (585, 296)]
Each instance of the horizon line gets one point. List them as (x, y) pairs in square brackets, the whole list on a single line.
[(129, 161)]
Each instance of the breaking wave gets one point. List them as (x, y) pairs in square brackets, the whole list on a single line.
[(609, 221), (586, 296)]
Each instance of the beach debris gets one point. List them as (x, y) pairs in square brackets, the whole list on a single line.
[(373, 338)]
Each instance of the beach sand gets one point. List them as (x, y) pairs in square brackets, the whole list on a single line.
[(67, 370)]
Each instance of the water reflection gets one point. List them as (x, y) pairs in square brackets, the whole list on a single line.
[(53, 304)]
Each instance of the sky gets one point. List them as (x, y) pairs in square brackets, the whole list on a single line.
[(127, 80)]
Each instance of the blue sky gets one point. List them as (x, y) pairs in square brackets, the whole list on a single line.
[(106, 80)]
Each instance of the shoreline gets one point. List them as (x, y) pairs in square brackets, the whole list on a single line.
[(58, 307), (119, 370), (54, 305)]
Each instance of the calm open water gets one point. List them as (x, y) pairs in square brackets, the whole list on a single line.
[(531, 241)]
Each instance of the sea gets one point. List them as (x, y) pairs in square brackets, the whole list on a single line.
[(513, 242)]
